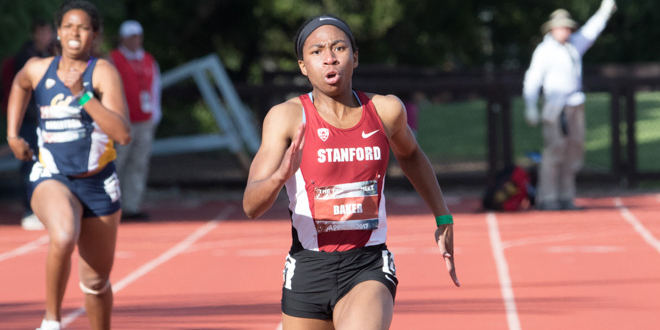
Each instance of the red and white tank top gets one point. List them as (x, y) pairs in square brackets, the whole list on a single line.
[(336, 197)]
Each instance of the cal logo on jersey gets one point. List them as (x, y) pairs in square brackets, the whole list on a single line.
[(59, 99), (323, 133)]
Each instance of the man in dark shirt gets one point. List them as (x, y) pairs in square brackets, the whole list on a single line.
[(41, 44)]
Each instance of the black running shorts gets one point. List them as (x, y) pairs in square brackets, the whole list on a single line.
[(315, 281)]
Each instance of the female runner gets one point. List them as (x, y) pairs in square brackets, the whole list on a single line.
[(330, 149), (73, 187)]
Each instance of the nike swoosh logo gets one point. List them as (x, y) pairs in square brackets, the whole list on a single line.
[(366, 135), (327, 18)]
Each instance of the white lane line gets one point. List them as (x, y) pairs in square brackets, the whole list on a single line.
[(24, 249), (637, 225), (503, 272), (539, 240), (163, 258), (585, 249)]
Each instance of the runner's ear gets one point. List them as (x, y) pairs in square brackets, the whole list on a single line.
[(303, 69)]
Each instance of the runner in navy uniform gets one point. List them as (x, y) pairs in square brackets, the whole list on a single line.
[(330, 149), (74, 188)]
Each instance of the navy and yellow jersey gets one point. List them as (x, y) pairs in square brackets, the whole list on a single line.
[(70, 142)]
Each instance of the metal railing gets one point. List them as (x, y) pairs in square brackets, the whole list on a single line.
[(498, 88)]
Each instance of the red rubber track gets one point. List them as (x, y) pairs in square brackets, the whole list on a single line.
[(200, 264)]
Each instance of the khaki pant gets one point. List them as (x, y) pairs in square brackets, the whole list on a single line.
[(563, 157), (133, 166)]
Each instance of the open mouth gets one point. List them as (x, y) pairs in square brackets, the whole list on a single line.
[(332, 77), (74, 43)]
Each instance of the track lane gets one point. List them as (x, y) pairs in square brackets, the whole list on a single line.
[(426, 297), (581, 270)]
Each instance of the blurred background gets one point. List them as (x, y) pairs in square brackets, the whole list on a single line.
[(457, 64)]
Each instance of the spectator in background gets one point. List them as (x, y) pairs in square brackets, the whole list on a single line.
[(41, 44), (557, 67), (141, 77)]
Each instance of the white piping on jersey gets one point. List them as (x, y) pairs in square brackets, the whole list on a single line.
[(311, 98), (301, 216), (379, 236)]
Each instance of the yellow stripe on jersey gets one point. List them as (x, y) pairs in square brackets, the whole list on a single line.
[(108, 155)]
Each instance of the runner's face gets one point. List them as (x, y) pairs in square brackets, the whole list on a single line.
[(328, 59), (76, 33)]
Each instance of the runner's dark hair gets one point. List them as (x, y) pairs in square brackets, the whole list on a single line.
[(85, 6), (297, 46)]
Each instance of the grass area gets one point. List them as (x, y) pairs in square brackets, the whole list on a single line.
[(452, 132), (457, 131), (648, 131), (185, 119)]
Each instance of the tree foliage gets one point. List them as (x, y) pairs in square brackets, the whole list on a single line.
[(252, 36)]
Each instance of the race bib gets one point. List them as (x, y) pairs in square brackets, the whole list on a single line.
[(347, 206)]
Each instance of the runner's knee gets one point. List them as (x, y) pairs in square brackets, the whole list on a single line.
[(64, 241), (95, 287)]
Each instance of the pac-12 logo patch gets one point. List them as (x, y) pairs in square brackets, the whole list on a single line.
[(50, 83), (323, 133)]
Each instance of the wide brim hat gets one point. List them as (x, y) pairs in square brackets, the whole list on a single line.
[(559, 18)]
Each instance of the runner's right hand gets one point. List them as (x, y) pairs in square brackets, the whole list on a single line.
[(21, 149)]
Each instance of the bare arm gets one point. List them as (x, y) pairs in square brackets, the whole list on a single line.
[(109, 112), (418, 170), (278, 158)]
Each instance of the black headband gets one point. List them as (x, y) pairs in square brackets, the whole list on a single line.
[(317, 23)]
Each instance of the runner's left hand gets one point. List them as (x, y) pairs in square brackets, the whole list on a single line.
[(74, 81), (444, 237)]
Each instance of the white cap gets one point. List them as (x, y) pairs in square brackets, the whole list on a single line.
[(130, 28)]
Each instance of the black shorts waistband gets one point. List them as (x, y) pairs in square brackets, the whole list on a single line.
[(371, 248)]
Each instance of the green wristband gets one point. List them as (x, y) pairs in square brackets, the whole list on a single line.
[(446, 219), (85, 98)]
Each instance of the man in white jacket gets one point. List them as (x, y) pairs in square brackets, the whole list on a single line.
[(557, 67)]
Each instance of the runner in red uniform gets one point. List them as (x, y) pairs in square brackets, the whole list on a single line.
[(330, 149), (339, 184)]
